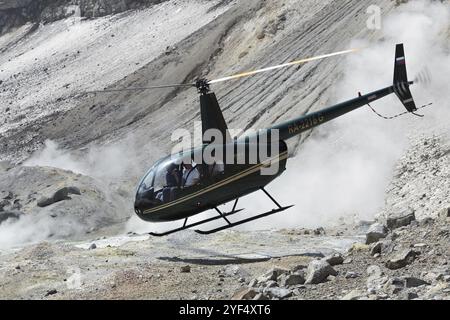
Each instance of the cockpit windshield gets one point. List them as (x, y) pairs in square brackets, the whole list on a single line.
[(174, 177)]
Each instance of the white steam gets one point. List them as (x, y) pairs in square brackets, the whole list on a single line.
[(116, 169), (111, 163), (344, 168)]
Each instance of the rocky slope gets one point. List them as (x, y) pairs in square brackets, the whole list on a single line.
[(52, 52), (208, 42), (15, 13), (400, 255)]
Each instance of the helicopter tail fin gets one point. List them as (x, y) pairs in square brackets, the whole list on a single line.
[(401, 83)]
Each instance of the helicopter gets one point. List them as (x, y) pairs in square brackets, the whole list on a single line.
[(183, 185)]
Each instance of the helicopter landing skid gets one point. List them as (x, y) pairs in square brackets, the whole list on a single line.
[(231, 225), (187, 226)]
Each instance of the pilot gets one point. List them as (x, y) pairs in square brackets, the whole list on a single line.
[(191, 175)]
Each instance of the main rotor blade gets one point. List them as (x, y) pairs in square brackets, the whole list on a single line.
[(182, 85), (250, 73)]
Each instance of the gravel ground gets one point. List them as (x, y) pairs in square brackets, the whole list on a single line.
[(56, 244)]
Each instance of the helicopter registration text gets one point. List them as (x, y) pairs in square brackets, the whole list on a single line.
[(305, 124)]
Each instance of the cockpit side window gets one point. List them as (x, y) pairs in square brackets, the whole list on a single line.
[(160, 179), (147, 183)]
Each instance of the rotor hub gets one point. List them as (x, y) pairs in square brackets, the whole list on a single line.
[(202, 86)]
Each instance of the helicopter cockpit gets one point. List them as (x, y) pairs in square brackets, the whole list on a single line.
[(172, 178)]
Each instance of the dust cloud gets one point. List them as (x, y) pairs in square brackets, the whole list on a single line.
[(343, 170)]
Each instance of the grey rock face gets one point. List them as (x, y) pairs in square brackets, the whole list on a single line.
[(260, 296), (318, 271), (5, 215), (351, 275), (59, 195), (376, 232), (403, 219), (444, 214), (412, 282), (185, 269), (293, 279), (279, 293), (273, 274), (384, 246), (334, 259), (401, 259), (374, 270), (14, 13), (394, 285), (353, 295), (244, 294)]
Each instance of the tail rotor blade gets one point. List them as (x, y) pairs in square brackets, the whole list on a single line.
[(423, 77), (251, 73)]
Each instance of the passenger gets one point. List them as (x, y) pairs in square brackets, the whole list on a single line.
[(173, 176), (191, 175)]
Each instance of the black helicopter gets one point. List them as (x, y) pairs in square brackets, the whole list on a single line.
[(179, 186)]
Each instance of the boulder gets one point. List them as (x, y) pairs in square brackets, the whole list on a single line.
[(375, 283), (394, 285), (253, 283), (351, 275), (412, 282), (376, 248), (74, 190), (244, 294), (444, 214), (293, 279), (376, 232), (334, 259), (5, 215), (353, 295), (401, 259), (319, 231), (273, 274), (271, 284), (236, 271), (7, 195), (279, 293), (260, 296), (401, 220), (374, 270), (4, 203), (51, 292), (408, 295), (318, 271), (185, 269), (380, 247), (357, 247), (59, 195)]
